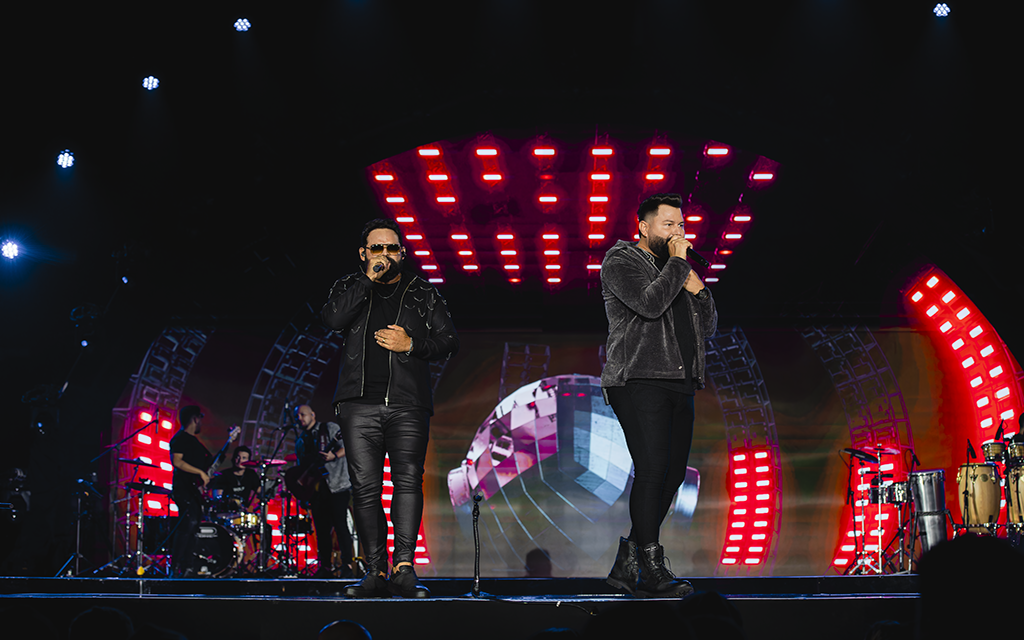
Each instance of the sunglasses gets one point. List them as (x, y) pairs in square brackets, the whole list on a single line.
[(377, 249)]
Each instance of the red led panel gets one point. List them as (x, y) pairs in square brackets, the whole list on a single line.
[(979, 366), (577, 189), (754, 499)]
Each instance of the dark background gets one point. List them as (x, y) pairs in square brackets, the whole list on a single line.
[(232, 192)]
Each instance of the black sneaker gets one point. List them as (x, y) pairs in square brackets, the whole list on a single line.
[(373, 585), (405, 583)]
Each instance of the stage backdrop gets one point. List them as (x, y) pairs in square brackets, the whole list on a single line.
[(520, 417)]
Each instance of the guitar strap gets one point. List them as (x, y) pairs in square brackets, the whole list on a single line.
[(325, 436)]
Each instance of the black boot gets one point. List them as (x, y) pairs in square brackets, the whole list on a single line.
[(655, 580), (373, 584), (404, 583), (625, 571)]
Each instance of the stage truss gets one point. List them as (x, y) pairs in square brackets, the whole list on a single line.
[(755, 480), (877, 417)]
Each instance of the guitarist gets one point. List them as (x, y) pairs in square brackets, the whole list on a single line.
[(190, 459), (319, 445)]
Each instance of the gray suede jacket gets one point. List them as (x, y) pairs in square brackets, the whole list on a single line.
[(641, 334)]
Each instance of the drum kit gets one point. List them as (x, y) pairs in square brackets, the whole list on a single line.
[(919, 503), (232, 539)]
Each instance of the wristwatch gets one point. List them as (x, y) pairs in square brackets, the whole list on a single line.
[(702, 294)]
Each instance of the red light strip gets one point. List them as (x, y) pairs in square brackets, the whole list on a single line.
[(968, 343), (753, 503), (488, 163)]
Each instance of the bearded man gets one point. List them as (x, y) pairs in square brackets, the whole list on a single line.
[(659, 314), (394, 324)]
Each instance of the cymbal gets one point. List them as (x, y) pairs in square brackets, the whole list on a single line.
[(886, 451), (257, 463), (146, 487), (139, 462)]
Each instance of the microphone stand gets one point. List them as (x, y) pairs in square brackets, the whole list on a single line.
[(476, 593), (261, 564)]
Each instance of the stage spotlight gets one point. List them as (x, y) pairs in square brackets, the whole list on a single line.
[(242, 24), (941, 10), (150, 83), (10, 249), (124, 279), (66, 159), (85, 343)]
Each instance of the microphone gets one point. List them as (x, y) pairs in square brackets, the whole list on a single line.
[(999, 431), (377, 268), (971, 455), (696, 257), (917, 463)]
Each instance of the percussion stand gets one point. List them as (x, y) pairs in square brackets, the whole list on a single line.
[(289, 561), (852, 497)]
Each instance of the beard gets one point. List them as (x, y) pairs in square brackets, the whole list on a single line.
[(658, 245), (394, 269)]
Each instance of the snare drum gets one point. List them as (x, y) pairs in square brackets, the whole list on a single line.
[(897, 493), (1015, 453), (993, 451), (242, 522), (981, 484)]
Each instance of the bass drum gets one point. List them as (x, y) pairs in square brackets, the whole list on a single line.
[(218, 552)]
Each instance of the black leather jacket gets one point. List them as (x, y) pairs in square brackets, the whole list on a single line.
[(424, 316)]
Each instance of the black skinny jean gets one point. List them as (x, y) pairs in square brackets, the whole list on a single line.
[(330, 513), (658, 425), (370, 431), (190, 512)]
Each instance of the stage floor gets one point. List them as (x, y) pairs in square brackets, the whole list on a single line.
[(838, 607)]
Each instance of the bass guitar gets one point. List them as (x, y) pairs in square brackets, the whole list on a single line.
[(232, 436)]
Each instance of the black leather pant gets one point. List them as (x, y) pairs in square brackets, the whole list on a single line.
[(658, 425), (370, 431)]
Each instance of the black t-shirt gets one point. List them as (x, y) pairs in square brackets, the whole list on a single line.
[(194, 453), (385, 303), (241, 487), (684, 338)]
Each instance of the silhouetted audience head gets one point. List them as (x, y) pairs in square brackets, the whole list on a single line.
[(711, 615), (538, 564), (964, 578), (101, 623), (344, 630)]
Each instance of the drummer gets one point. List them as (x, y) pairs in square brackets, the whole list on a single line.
[(236, 486)]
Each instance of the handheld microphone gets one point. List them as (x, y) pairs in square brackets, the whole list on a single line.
[(696, 257), (377, 268)]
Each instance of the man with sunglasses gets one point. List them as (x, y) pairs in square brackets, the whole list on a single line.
[(394, 324)]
